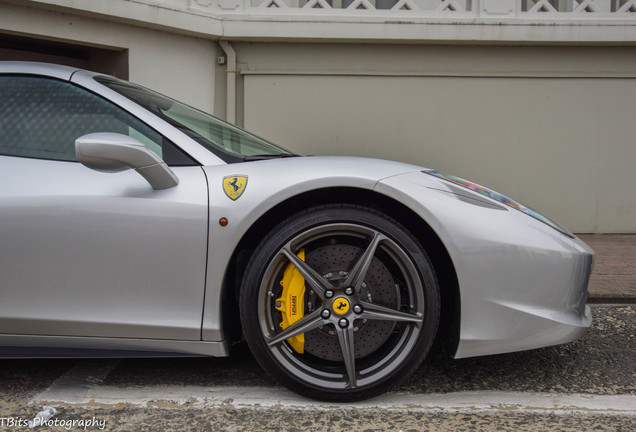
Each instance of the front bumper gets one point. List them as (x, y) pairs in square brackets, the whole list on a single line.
[(522, 284)]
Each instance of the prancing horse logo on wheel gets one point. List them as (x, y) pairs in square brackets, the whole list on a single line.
[(341, 306)]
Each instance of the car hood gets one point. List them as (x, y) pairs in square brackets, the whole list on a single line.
[(312, 168)]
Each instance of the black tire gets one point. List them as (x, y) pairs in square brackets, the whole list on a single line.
[(371, 303)]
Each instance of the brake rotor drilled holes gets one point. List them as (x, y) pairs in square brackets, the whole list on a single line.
[(336, 261)]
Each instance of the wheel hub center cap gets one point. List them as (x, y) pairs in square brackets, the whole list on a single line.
[(341, 306)]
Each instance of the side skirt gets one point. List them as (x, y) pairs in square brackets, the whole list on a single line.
[(33, 346)]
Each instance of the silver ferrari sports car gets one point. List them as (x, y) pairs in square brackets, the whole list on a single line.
[(134, 225)]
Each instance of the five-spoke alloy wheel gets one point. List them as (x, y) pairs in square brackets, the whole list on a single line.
[(339, 303)]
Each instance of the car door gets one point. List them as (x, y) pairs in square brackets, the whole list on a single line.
[(85, 253)]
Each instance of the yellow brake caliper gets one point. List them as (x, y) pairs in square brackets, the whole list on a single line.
[(292, 302)]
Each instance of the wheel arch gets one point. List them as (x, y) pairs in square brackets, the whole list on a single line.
[(448, 333)]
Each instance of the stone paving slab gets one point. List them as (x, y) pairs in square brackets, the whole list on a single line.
[(613, 279)]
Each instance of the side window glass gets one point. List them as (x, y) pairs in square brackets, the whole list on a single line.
[(42, 117)]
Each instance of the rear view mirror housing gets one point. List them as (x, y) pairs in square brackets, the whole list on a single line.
[(113, 152)]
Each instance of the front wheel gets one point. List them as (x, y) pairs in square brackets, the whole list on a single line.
[(339, 303)]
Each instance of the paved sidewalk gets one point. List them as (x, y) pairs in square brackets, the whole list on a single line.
[(614, 276)]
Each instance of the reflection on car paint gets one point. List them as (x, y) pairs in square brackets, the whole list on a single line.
[(482, 190)]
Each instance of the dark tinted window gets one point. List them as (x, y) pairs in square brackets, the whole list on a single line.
[(42, 117)]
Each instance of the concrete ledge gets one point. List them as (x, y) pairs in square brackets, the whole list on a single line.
[(243, 22)]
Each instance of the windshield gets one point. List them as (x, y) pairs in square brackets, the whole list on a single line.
[(225, 140)]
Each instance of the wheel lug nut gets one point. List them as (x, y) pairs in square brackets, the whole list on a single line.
[(325, 313), (328, 293), (349, 291), (343, 323), (357, 309)]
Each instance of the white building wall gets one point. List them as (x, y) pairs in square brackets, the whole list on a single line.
[(550, 126)]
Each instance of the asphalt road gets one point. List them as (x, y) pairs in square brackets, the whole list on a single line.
[(586, 385)]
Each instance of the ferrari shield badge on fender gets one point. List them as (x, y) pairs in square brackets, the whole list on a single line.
[(234, 186)]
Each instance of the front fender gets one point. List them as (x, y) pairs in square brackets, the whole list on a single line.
[(270, 183), (522, 283)]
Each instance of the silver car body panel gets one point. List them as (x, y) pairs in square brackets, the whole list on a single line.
[(92, 254), (523, 284), (55, 71), (270, 183), (29, 346), (74, 241)]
